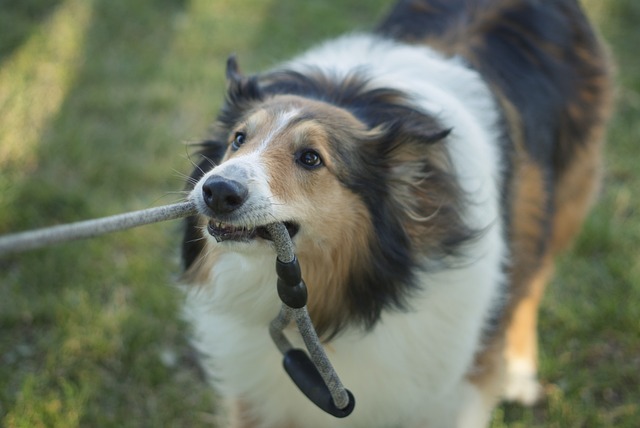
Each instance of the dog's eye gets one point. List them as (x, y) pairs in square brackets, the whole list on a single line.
[(238, 140), (309, 158)]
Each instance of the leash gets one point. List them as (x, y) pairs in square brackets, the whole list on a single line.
[(312, 373), (39, 238)]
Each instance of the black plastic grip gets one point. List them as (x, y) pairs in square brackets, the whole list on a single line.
[(291, 288), (307, 378)]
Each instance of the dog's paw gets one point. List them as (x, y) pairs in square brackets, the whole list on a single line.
[(522, 385)]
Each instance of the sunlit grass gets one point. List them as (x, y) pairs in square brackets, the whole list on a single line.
[(36, 79)]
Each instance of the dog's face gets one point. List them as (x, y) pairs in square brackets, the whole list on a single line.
[(286, 161), (290, 160), (360, 178)]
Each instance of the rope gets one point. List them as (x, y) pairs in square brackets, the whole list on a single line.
[(39, 238), (284, 248), (282, 241), (277, 326), (320, 359)]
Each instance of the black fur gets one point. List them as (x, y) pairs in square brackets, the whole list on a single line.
[(540, 55), (210, 154)]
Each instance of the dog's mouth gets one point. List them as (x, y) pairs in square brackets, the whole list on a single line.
[(228, 232)]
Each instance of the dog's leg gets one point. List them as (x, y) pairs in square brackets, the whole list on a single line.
[(531, 214), (575, 193), (522, 342), (484, 390)]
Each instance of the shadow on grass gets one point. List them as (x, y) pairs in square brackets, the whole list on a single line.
[(18, 20)]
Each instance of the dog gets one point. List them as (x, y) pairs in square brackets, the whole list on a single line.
[(428, 173)]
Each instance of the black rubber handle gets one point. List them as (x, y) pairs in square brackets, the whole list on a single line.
[(305, 375), (291, 288)]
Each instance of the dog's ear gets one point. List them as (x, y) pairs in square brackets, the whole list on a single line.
[(423, 182), (234, 76), (239, 87), (414, 144), (417, 162)]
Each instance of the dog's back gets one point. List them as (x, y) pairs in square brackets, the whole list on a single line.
[(541, 58), (551, 77)]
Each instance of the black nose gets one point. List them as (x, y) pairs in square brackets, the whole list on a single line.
[(222, 195)]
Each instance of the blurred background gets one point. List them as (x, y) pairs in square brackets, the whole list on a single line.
[(98, 100)]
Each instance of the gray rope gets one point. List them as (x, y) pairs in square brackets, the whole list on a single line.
[(284, 248), (320, 359), (282, 241), (38, 238), (277, 326)]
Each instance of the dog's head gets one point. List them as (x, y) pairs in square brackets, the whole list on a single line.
[(281, 165), (359, 176)]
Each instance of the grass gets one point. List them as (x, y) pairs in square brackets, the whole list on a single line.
[(96, 99)]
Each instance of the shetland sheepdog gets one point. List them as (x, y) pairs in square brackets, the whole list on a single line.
[(428, 173)]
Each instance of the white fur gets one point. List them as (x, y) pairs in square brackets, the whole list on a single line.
[(409, 370), (281, 123), (263, 206), (248, 169), (522, 382), (477, 411)]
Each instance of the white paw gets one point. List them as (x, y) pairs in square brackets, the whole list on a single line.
[(522, 385)]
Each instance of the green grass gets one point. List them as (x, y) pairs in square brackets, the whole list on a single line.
[(97, 98)]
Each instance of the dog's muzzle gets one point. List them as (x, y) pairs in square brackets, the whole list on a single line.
[(224, 197)]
